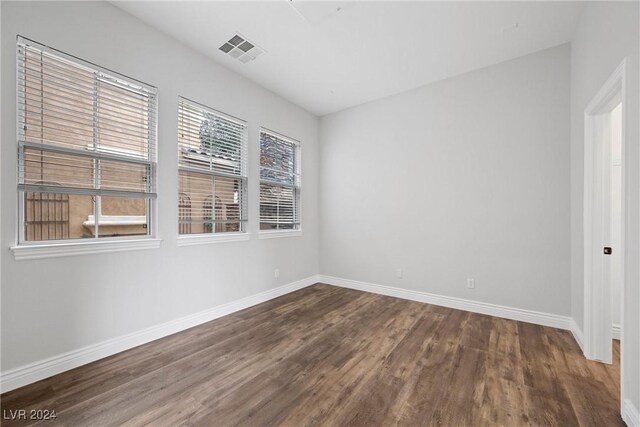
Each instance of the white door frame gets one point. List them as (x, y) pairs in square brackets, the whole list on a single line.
[(597, 289)]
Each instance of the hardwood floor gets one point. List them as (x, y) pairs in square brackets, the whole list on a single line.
[(331, 356)]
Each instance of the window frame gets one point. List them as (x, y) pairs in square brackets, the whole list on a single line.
[(217, 237), (293, 232), (36, 249)]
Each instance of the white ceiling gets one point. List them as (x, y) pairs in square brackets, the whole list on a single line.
[(325, 60)]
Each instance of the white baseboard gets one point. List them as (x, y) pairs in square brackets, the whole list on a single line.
[(522, 315), (577, 334), (616, 332), (37, 371), (630, 414)]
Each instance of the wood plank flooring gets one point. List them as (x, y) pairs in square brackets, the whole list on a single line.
[(331, 356)]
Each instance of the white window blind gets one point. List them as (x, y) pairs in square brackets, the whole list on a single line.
[(212, 156), (86, 133), (279, 182)]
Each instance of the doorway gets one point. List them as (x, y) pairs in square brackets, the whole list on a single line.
[(604, 219), (615, 218)]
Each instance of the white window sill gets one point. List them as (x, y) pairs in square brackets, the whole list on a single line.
[(279, 234), (95, 246), (204, 239)]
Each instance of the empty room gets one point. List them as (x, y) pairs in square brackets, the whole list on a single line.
[(327, 213)]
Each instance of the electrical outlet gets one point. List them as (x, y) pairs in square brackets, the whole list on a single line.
[(276, 273), (471, 283), (399, 273)]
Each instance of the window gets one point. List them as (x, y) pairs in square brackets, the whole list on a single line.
[(86, 149), (212, 153), (279, 182)]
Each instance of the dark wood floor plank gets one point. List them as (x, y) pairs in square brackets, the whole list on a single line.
[(307, 360), (538, 362), (94, 379), (331, 356), (355, 360), (593, 405), (237, 357)]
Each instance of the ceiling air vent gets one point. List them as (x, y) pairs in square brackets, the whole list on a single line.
[(242, 49)]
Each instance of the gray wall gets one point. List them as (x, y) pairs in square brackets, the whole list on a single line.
[(607, 32), (464, 178), (57, 305)]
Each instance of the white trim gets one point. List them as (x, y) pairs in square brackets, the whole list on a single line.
[(94, 246), (205, 239), (616, 332), (577, 334), (597, 295), (609, 90), (279, 233), (27, 374), (630, 414), (513, 313)]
